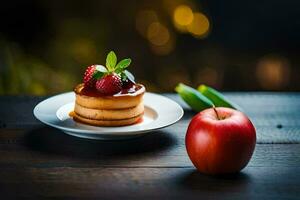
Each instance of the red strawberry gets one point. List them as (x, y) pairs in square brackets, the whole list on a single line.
[(88, 79), (109, 84)]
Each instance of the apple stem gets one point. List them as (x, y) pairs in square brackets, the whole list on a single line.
[(216, 113)]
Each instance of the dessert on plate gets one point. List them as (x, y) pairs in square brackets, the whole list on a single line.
[(109, 95)]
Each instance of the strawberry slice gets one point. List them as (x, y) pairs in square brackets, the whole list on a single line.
[(109, 84)]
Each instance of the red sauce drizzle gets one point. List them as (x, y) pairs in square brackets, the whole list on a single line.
[(94, 93), (140, 120)]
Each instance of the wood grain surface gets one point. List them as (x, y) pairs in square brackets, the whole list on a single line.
[(40, 162)]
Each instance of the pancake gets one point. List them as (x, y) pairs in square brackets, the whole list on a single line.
[(127, 98), (121, 122), (123, 108), (104, 114)]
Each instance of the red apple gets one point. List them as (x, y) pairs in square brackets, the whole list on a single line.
[(220, 140)]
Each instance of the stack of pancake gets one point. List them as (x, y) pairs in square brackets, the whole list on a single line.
[(116, 110)]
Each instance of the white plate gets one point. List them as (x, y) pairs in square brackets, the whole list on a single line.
[(159, 112)]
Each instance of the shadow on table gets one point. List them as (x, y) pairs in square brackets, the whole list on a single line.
[(194, 180), (51, 140)]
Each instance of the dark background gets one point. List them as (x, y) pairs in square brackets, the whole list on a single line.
[(249, 45)]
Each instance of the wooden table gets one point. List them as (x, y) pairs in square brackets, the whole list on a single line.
[(42, 162)]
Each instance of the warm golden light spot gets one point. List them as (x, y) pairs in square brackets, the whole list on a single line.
[(160, 39), (183, 15), (199, 26), (273, 72), (164, 49), (158, 34), (143, 19)]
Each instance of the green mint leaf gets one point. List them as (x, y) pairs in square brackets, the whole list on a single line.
[(111, 61), (129, 76), (97, 75), (101, 68), (123, 64)]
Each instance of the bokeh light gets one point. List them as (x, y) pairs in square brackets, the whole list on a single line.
[(163, 49), (273, 72), (51, 54), (200, 25), (158, 34), (143, 19), (160, 39), (183, 15)]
